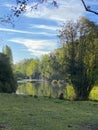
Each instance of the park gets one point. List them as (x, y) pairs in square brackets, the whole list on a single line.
[(48, 65)]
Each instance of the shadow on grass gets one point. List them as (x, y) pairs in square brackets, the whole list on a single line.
[(89, 126)]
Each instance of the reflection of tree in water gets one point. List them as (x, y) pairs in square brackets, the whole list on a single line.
[(62, 86), (26, 89), (36, 88), (55, 88), (29, 89), (21, 89), (43, 88)]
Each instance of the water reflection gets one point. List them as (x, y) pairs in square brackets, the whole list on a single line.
[(43, 88)]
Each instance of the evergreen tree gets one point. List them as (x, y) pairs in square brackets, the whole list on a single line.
[(7, 51), (8, 83)]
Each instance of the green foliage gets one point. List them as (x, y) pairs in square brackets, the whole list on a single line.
[(70, 93), (33, 69), (27, 68), (80, 55), (45, 67), (20, 68), (54, 82), (61, 82), (94, 93), (8, 83), (30, 69), (51, 67), (7, 51)]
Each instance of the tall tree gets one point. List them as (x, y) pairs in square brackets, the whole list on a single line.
[(8, 82), (32, 69), (79, 57), (7, 51)]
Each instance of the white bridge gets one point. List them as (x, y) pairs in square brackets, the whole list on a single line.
[(29, 80)]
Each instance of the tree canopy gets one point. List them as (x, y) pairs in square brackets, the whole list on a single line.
[(7, 51), (79, 40)]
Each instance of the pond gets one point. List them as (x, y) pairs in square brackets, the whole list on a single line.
[(41, 88)]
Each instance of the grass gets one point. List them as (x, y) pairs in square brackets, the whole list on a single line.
[(18, 112)]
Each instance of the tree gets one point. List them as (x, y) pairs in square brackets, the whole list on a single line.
[(8, 82), (80, 55), (49, 66), (7, 51), (20, 69), (33, 69), (45, 68)]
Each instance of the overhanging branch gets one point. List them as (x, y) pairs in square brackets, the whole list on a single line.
[(88, 9)]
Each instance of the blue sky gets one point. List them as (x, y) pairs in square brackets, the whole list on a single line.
[(35, 32)]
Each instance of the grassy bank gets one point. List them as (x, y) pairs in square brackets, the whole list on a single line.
[(19, 112)]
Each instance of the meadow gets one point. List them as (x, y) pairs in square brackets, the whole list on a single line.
[(20, 112)]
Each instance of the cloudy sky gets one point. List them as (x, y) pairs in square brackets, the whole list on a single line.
[(35, 32)]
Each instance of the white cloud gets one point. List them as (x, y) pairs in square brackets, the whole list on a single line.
[(28, 32), (68, 9), (36, 47), (51, 28)]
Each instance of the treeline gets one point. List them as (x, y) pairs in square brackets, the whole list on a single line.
[(76, 62), (49, 67)]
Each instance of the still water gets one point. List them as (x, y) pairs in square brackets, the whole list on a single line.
[(41, 88)]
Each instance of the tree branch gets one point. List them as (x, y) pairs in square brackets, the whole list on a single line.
[(88, 9)]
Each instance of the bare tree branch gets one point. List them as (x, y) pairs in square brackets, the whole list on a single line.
[(22, 4), (88, 9), (21, 7), (7, 20)]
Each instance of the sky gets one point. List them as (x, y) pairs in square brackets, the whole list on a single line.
[(35, 32)]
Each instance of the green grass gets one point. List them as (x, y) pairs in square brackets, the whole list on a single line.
[(18, 112)]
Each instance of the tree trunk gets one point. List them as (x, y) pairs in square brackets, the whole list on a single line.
[(82, 94)]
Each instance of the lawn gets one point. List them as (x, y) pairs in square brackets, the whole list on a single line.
[(18, 112)]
